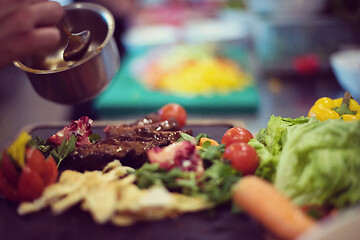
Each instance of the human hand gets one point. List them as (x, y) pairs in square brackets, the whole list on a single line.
[(27, 27)]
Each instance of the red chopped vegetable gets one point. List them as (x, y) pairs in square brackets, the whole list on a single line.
[(181, 154), (81, 128)]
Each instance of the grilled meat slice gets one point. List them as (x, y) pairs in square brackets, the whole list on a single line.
[(125, 142), (148, 119), (138, 129), (96, 156), (171, 136)]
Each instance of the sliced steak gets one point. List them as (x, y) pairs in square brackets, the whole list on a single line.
[(125, 142), (96, 156), (137, 129), (171, 136)]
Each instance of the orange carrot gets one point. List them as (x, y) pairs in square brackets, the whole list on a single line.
[(212, 141), (262, 201), (203, 140), (198, 147)]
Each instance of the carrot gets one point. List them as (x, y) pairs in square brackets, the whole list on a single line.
[(261, 200), (205, 139), (212, 141), (198, 147)]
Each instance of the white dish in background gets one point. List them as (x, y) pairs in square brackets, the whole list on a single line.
[(346, 67), (229, 26), (139, 37)]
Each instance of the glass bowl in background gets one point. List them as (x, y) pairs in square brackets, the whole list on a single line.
[(346, 67)]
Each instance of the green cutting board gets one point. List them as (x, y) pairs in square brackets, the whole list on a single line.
[(125, 95)]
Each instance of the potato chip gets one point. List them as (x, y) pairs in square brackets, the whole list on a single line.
[(111, 195), (101, 203)]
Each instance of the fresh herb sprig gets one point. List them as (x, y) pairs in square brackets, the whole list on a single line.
[(193, 140), (218, 181), (59, 153), (174, 180), (62, 151), (215, 184)]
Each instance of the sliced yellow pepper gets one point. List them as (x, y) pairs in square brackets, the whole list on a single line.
[(345, 108), (17, 149)]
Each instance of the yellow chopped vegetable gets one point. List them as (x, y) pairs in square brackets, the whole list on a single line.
[(17, 148), (205, 76)]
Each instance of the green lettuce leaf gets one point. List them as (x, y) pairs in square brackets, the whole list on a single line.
[(320, 163), (269, 143)]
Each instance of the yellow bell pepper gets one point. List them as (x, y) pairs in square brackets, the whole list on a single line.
[(345, 108), (17, 149)]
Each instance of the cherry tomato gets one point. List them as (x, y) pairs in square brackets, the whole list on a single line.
[(242, 157), (30, 185), (9, 178), (6, 189), (307, 64), (236, 134), (9, 171), (173, 110), (51, 173), (35, 160), (46, 168), (27, 183)]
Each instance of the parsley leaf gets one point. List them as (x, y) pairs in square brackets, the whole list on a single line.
[(211, 152), (199, 136), (174, 180), (62, 151), (218, 181), (193, 140), (187, 137)]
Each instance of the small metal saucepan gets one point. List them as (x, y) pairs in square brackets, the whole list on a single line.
[(73, 82)]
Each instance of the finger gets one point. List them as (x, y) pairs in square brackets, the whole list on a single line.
[(15, 2), (47, 13), (11, 8), (27, 17), (37, 1), (16, 21), (6, 3), (41, 40)]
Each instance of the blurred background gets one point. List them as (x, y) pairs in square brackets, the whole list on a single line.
[(222, 59)]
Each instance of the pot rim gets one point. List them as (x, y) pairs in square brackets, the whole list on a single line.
[(105, 13)]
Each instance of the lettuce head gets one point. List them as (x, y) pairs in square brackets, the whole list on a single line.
[(311, 162), (320, 163)]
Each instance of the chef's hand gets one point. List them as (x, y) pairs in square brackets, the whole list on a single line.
[(27, 27)]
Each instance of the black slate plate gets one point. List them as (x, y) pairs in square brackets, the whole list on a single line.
[(77, 224)]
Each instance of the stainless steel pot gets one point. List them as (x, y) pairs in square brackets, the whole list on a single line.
[(77, 81)]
